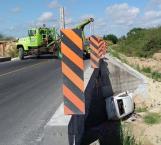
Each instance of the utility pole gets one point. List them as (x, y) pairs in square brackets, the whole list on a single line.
[(62, 18)]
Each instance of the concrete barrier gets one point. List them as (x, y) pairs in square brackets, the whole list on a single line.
[(67, 129), (3, 59), (124, 78), (115, 77)]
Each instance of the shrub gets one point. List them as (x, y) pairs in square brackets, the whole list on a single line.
[(111, 37), (146, 69), (156, 76)]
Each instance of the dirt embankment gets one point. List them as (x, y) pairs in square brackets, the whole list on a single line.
[(148, 134), (154, 63), (8, 49)]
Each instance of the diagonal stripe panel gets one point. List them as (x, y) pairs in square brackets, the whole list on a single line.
[(72, 76), (67, 110), (73, 71), (94, 49), (71, 45), (73, 87), (98, 50), (94, 58), (71, 106), (94, 41), (73, 98), (75, 38), (72, 56)]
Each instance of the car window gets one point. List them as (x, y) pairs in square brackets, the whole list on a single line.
[(121, 106)]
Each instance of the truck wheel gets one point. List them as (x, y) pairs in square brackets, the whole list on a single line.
[(21, 53), (38, 54)]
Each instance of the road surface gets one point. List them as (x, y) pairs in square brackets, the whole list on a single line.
[(30, 93)]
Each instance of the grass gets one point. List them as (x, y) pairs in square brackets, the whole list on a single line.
[(149, 73), (128, 138), (115, 54), (156, 76), (152, 118), (146, 70), (141, 109)]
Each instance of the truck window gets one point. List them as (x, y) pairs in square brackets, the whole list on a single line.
[(121, 106), (32, 32), (43, 33)]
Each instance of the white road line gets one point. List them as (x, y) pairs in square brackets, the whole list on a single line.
[(22, 68)]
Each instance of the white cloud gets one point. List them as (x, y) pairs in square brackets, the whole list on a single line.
[(46, 17), (153, 5), (152, 15), (54, 4), (151, 18), (101, 23), (155, 2), (122, 14), (16, 9)]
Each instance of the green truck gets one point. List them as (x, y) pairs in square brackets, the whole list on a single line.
[(47, 40), (40, 40)]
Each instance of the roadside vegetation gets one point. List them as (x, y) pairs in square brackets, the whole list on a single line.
[(152, 118), (128, 138), (141, 109), (140, 42), (111, 38), (149, 72)]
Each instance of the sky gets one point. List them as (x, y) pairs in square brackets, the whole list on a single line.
[(111, 16)]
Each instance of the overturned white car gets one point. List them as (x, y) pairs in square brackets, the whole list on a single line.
[(119, 106)]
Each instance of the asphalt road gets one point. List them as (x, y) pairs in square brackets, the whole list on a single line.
[(30, 92)]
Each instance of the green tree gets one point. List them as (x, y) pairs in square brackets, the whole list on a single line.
[(134, 31), (111, 37), (122, 38)]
